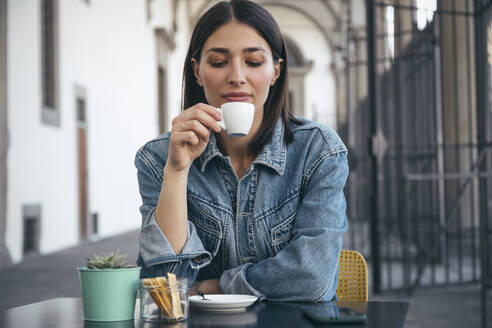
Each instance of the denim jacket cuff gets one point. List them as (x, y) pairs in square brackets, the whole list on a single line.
[(234, 281), (156, 249)]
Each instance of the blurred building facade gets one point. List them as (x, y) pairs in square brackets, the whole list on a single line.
[(407, 84), (89, 82)]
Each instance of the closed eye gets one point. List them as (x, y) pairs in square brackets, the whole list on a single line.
[(218, 64), (254, 63)]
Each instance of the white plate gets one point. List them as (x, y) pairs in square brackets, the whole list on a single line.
[(223, 302)]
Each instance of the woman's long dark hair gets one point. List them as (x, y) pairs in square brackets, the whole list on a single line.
[(257, 17), (252, 14)]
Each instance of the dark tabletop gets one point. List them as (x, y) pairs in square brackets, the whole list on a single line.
[(67, 313)]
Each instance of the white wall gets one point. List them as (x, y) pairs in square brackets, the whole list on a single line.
[(108, 48), (320, 81)]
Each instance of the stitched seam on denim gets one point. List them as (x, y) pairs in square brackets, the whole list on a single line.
[(173, 267), (207, 160), (253, 187), (278, 152), (255, 234), (163, 136), (324, 290), (266, 232), (214, 220), (257, 251), (252, 210), (323, 134), (218, 240), (224, 267), (253, 226), (283, 153), (155, 165), (278, 241), (195, 266), (279, 170), (261, 216), (196, 196), (147, 161), (225, 229), (277, 165), (176, 258), (309, 173), (283, 239), (238, 199), (229, 185), (210, 152), (248, 285), (334, 148), (206, 229), (339, 149)]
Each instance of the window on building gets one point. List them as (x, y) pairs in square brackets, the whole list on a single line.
[(32, 228), (49, 48), (80, 110), (85, 223), (162, 99)]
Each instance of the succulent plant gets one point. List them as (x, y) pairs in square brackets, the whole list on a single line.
[(109, 261)]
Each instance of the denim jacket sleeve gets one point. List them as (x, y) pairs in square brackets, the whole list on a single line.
[(156, 255), (307, 268)]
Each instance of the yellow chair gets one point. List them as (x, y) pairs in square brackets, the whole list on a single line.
[(352, 277)]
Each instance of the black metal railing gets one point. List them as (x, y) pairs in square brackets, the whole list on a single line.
[(420, 145)]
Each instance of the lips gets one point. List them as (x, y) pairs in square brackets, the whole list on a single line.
[(236, 96)]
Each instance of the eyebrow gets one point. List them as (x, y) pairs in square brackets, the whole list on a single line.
[(226, 51)]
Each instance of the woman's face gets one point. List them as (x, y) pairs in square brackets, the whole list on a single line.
[(236, 65)]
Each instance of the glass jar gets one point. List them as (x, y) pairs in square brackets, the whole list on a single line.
[(159, 302)]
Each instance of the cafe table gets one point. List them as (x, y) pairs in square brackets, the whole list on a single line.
[(67, 313)]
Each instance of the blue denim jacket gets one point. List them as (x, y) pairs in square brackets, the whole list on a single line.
[(275, 233)]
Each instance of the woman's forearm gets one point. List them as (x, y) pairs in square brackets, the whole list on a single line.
[(172, 212)]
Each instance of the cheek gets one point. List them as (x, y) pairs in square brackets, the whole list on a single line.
[(262, 81), (211, 79), (212, 84)]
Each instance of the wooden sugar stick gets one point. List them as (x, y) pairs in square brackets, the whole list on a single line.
[(151, 286), (164, 290), (176, 301)]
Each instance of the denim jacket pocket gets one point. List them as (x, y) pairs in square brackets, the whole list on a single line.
[(209, 229), (279, 223), (282, 233)]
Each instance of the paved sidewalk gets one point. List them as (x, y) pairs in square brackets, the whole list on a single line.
[(54, 275)]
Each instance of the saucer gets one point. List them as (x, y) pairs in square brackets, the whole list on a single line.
[(222, 302)]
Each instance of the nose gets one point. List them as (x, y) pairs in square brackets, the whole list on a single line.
[(236, 73)]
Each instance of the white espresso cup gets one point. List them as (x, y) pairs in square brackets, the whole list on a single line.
[(237, 118)]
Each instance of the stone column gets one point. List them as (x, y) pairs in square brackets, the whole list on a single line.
[(458, 104), (404, 24), (4, 253)]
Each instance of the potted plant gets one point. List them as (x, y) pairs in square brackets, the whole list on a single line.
[(108, 284)]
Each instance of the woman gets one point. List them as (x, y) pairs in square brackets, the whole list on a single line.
[(262, 214)]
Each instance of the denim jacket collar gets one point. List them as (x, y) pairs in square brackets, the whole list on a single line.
[(273, 154)]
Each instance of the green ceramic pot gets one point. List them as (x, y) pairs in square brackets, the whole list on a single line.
[(108, 294)]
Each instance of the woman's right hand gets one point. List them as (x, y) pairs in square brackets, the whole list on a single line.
[(190, 134)]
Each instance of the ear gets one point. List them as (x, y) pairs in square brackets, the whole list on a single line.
[(277, 69), (196, 70)]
